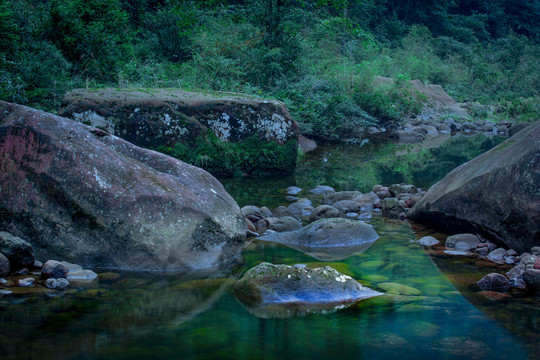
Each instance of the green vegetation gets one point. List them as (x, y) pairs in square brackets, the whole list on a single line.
[(251, 156), (318, 56)]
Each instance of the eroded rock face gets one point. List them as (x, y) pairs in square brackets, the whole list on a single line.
[(496, 194), (164, 117), (77, 193)]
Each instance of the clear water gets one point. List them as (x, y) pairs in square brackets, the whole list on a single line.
[(154, 316)]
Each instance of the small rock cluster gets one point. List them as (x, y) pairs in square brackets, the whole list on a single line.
[(19, 268), (526, 270), (323, 202)]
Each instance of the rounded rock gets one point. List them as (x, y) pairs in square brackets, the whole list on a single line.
[(53, 269), (494, 282)]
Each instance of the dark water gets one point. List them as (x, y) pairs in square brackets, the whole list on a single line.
[(153, 316)]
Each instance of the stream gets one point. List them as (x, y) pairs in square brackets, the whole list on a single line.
[(152, 316)]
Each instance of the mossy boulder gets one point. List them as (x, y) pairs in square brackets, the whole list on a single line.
[(269, 284), (222, 132)]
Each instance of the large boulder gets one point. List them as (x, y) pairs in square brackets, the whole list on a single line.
[(496, 194), (173, 121), (19, 252), (328, 239), (77, 193)]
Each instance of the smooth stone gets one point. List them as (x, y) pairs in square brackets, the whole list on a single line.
[(56, 284), (83, 275), (286, 223), (531, 277), (428, 241), (269, 284), (293, 190), (27, 282), (497, 255), (515, 275), (19, 252), (494, 282), (300, 208), (291, 198), (71, 267), (457, 252), (470, 239), (322, 190), (252, 213), (399, 289), (323, 212), (53, 269)]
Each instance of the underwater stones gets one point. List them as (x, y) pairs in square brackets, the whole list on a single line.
[(428, 241), (494, 282), (468, 241), (285, 223), (53, 269), (56, 284), (97, 200), (5, 266), (323, 212), (19, 252), (268, 284), (495, 194), (392, 288)]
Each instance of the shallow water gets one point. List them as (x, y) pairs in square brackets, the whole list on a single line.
[(137, 316)]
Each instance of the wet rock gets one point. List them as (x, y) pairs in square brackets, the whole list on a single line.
[(535, 250), (300, 208), (391, 208), (469, 128), (383, 194), (252, 213), (37, 264), (19, 252), (494, 282), (282, 211), (392, 288), (515, 275), (347, 206), (341, 195), (268, 284), (266, 212), (376, 188), (531, 277), (262, 225), (291, 198), (293, 190), (5, 266), (71, 267), (82, 275), (56, 284), (322, 190), (328, 239), (497, 255), (285, 223), (481, 249), (514, 129), (99, 200), (428, 241), (323, 212), (470, 240), (495, 193), (511, 252), (53, 269), (402, 188), (27, 282)]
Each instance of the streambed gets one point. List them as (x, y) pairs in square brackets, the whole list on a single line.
[(436, 316)]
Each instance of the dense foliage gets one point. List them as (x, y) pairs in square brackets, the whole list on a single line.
[(319, 56)]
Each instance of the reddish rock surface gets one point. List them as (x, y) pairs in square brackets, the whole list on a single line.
[(80, 194)]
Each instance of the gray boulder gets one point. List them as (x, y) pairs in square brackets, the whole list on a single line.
[(283, 285), (470, 240), (97, 200), (516, 273), (285, 223), (323, 212), (514, 129), (5, 266), (497, 255), (328, 239), (531, 277), (322, 190), (19, 252), (496, 194), (494, 282), (401, 189), (391, 208), (53, 269)]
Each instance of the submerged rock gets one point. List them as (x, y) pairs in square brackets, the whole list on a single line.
[(328, 239), (496, 194), (428, 241), (83, 195), (324, 287)]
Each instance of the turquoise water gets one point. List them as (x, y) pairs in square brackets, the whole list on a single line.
[(196, 316)]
